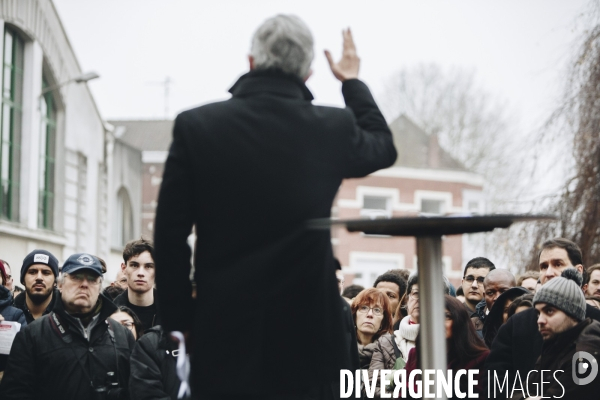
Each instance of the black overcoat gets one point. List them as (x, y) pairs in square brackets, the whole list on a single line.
[(248, 173)]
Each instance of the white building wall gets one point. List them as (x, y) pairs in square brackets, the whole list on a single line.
[(82, 220)]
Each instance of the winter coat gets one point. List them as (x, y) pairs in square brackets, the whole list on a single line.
[(557, 354), (453, 364), (21, 304), (518, 343), (154, 367), (383, 357), (55, 357), (267, 135), (9, 313), (147, 322), (495, 319)]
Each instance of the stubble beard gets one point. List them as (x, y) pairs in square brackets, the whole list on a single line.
[(38, 297)]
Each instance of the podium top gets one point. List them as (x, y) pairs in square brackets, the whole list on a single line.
[(428, 226)]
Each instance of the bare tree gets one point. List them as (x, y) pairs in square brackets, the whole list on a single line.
[(473, 125), (578, 204)]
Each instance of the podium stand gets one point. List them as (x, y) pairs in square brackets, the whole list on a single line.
[(428, 232)]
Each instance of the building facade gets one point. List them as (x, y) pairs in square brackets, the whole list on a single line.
[(56, 152), (425, 180)]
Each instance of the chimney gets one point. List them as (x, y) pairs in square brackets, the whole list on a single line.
[(433, 151)]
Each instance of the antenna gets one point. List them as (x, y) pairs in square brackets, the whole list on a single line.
[(167, 85)]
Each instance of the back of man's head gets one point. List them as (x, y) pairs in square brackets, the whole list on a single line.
[(137, 247), (283, 42), (479, 262), (573, 251)]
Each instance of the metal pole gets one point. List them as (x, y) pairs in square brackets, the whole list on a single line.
[(431, 303)]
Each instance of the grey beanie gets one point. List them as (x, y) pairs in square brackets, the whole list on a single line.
[(564, 293)]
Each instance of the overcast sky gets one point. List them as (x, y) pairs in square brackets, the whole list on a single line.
[(519, 50)]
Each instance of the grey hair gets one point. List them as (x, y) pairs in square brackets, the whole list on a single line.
[(283, 42)]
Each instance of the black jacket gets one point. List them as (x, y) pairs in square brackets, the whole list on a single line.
[(154, 368), (518, 343), (22, 305), (44, 362), (9, 313), (147, 323), (557, 355), (249, 173)]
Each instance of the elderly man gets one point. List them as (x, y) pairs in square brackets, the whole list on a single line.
[(248, 173), (76, 351), (560, 306)]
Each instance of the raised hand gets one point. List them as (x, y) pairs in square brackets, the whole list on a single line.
[(347, 67)]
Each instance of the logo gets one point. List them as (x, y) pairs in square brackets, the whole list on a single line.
[(41, 258), (85, 259), (585, 368)]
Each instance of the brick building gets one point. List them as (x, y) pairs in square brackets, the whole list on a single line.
[(152, 138), (425, 180)]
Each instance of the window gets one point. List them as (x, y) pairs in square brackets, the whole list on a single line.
[(376, 207), (124, 219), (47, 160), (432, 206), (10, 124)]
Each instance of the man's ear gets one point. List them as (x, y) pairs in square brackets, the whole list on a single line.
[(310, 72), (579, 268), (584, 288), (123, 266), (251, 62)]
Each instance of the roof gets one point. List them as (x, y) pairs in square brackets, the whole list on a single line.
[(145, 135), (417, 149)]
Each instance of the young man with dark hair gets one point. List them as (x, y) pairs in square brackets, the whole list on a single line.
[(393, 286), (140, 295), (472, 283), (518, 343), (560, 307), (38, 274)]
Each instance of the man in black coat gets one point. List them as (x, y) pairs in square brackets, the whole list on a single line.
[(518, 343), (248, 173), (76, 351)]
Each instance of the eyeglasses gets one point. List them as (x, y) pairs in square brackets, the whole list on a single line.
[(127, 324), (92, 279), (414, 295), (365, 310), (471, 278)]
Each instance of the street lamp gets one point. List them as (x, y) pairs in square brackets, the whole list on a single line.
[(88, 76)]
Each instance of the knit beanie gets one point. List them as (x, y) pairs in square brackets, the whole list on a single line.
[(39, 257), (564, 293)]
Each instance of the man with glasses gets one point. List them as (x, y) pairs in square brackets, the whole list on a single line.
[(472, 283), (76, 351)]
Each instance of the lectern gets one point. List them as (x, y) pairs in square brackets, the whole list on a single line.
[(428, 232)]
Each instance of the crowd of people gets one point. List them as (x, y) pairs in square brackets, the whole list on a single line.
[(77, 340), (265, 321), (494, 322)]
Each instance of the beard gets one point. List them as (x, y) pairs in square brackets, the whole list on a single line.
[(39, 297)]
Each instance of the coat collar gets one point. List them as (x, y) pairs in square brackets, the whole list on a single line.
[(271, 81)]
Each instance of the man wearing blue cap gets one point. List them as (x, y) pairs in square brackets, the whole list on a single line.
[(76, 351)]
